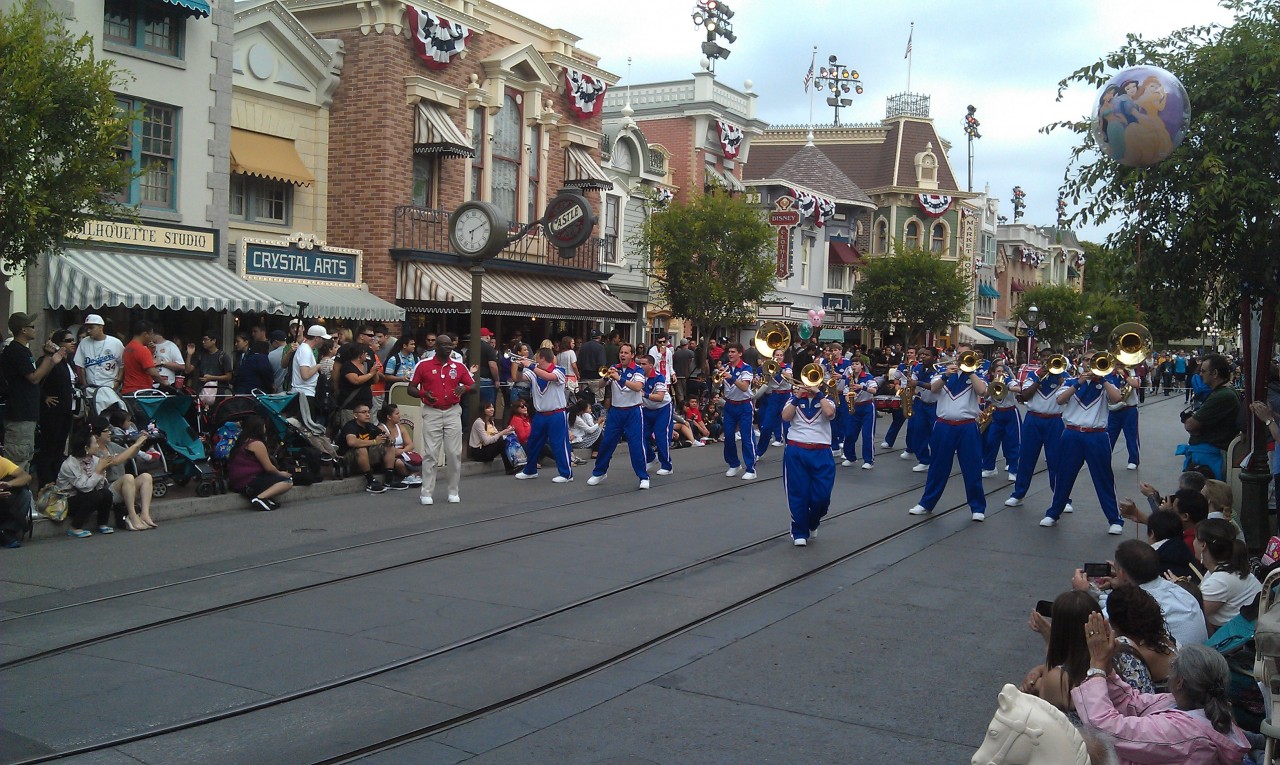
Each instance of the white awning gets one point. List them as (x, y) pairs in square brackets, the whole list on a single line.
[(583, 172), (970, 335), (714, 177), (435, 133), (439, 288), (331, 302)]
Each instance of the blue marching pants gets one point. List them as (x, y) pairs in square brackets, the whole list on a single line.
[(1078, 449), (771, 425), (629, 421), (1038, 432), (808, 474), (658, 423), (920, 430), (891, 435), (862, 422), (840, 423), (1003, 431), (949, 443), (1124, 420), (549, 428), (736, 417)]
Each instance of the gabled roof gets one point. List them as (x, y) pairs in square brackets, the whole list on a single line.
[(811, 168)]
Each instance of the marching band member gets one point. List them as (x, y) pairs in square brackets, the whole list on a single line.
[(899, 377), (955, 435), (1084, 441), (656, 411), (862, 416), (924, 410), (1005, 425), (627, 388), (1123, 416), (808, 472), (1041, 427), (550, 421), (737, 414), (834, 364), (773, 429)]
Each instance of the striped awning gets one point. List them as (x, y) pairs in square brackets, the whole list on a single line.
[(439, 288), (332, 302), (713, 177), (194, 7), (987, 291), (435, 133), (80, 279), (583, 172), (967, 334), (997, 335)]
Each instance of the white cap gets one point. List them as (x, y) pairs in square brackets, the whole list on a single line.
[(94, 318), (317, 330)]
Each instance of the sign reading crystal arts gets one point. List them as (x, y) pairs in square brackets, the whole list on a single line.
[(152, 240), (301, 259)]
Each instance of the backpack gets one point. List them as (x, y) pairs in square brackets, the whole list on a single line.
[(225, 440)]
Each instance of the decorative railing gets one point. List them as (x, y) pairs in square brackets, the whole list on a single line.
[(657, 162), (427, 230)]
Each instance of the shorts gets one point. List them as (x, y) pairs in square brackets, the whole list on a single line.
[(375, 457), (262, 482)]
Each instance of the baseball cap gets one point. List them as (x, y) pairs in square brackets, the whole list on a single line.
[(596, 333), (94, 318), (277, 334), (19, 320), (684, 341), (317, 330), (486, 332)]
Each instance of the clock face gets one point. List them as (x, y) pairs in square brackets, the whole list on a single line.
[(472, 230)]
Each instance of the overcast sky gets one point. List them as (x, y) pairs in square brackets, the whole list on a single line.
[(1003, 57)]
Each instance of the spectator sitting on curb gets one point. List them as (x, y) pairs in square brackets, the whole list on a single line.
[(1189, 504), (365, 445), (14, 503), (487, 442), (250, 470), (584, 431), (405, 461), (1164, 533)]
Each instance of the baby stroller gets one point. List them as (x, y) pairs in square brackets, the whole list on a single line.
[(306, 451), (182, 447)]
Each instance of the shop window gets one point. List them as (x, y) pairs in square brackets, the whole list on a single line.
[(911, 239), (806, 248), (882, 237), (505, 173), (258, 200), (151, 146), (477, 144), (425, 170), (144, 24)]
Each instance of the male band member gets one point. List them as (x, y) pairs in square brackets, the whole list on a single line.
[(626, 386), (1041, 427), (1084, 440), (1005, 427), (900, 381), (657, 411), (550, 419), (1123, 416), (440, 382), (808, 473), (924, 410), (737, 414), (835, 364), (955, 435), (773, 429), (862, 416)]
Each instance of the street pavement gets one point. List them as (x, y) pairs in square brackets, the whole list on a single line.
[(893, 652)]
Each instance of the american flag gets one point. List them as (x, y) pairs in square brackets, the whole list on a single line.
[(909, 36), (808, 77)]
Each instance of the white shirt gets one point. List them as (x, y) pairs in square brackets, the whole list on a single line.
[(624, 397), (166, 352), (548, 395), (1087, 407), (957, 400), (304, 356), (664, 362), (1045, 399), (1182, 614), (810, 425), (1229, 590), (100, 360), (731, 377)]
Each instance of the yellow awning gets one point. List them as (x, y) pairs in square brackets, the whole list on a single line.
[(268, 156)]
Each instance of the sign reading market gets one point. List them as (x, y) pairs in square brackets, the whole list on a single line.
[(300, 259)]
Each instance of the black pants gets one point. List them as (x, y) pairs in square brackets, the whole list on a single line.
[(51, 446), (83, 504), (487, 453), (13, 513)]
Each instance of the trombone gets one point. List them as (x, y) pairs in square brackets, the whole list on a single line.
[(769, 367), (1101, 364), (811, 378), (1056, 365)]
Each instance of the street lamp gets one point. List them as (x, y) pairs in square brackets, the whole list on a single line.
[(1032, 313), (971, 124), (714, 16), (838, 78)]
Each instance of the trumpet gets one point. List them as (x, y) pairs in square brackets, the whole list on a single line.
[(997, 391), (604, 371), (1101, 364), (969, 361), (811, 377), (1056, 365), (772, 336), (516, 358), (717, 377)]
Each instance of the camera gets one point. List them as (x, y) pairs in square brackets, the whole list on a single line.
[(1096, 570)]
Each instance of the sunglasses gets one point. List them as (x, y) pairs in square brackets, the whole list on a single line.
[(366, 334)]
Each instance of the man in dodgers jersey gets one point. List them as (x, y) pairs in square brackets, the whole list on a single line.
[(1084, 440), (656, 410), (626, 385), (955, 435), (550, 419), (808, 471)]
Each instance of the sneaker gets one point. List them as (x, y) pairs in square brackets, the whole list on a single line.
[(846, 463), (561, 479), (699, 442), (1068, 508), (1115, 529), (413, 480), (776, 442), (454, 499), (867, 465), (885, 445), (578, 461), (989, 473), (904, 456), (799, 541), (1131, 466), (397, 485), (1048, 522), (595, 479), (1013, 478), (921, 468), (918, 510), (1013, 501), (979, 517), (79, 533), (644, 483), (12, 544), (425, 500), (106, 530), (374, 486), (751, 476), (813, 533), (665, 471), (523, 476), (731, 472), (259, 504)]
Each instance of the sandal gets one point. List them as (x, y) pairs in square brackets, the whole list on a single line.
[(79, 533), (130, 525)]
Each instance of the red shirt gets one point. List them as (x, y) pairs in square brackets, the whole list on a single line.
[(693, 414), (137, 360), (523, 427), (437, 381)]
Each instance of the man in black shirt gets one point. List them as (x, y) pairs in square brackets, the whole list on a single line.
[(365, 445), (590, 358), (22, 378), (682, 362)]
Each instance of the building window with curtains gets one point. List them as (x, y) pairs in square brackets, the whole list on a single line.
[(258, 200), (938, 237), (534, 149), (477, 144), (806, 248), (152, 146), (424, 176), (882, 237), (610, 223), (911, 240), (835, 278), (145, 25), (504, 176)]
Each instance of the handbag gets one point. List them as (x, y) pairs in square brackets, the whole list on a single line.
[(514, 451), (52, 503), (412, 459)]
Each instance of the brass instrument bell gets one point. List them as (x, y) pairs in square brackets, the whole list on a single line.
[(1101, 364), (997, 391), (1130, 343), (1056, 365), (769, 367), (772, 336), (811, 376), (969, 362), (604, 371)]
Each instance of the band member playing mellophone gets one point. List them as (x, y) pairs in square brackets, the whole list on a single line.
[(955, 435), (550, 421), (656, 410), (778, 391), (860, 398), (808, 471), (1004, 430)]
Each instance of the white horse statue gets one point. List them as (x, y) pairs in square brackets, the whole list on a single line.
[(1027, 730)]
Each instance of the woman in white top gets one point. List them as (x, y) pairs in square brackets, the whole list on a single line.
[(584, 431), (408, 463), (487, 441), (567, 358), (1230, 584)]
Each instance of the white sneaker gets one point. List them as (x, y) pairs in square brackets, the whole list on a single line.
[(749, 476), (799, 542), (904, 456), (595, 479), (1068, 508), (413, 480), (664, 471), (867, 466), (846, 463), (1048, 522), (454, 499), (522, 476), (918, 510), (979, 517), (644, 484), (1013, 502), (885, 445), (813, 533), (989, 473), (922, 468), (699, 442), (776, 443), (425, 500), (731, 472), (561, 479), (1013, 478), (1115, 529), (1131, 466)]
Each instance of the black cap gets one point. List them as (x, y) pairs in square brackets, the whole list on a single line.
[(278, 334), (596, 333)]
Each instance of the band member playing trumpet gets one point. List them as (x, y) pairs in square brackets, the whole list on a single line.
[(924, 410), (1123, 416), (836, 367), (1005, 427), (1041, 427), (656, 411), (808, 472), (860, 398), (773, 429), (550, 422), (626, 385), (1084, 441), (738, 413), (955, 436), (899, 375)]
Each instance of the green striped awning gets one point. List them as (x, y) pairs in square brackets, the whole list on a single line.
[(81, 279), (987, 291), (194, 7), (332, 302)]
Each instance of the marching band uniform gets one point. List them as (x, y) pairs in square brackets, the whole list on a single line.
[(924, 411), (736, 417), (1084, 441), (1041, 427), (862, 421), (657, 421), (624, 417), (808, 473), (1123, 417), (955, 436), (1003, 431), (899, 376), (550, 423), (839, 425), (772, 426)]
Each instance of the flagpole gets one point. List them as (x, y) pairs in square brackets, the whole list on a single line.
[(909, 38), (811, 89)]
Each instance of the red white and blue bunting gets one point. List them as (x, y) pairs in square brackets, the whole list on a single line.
[(934, 205), (1031, 257), (813, 206), (730, 138), (1079, 260), (437, 39), (586, 93), (662, 197)]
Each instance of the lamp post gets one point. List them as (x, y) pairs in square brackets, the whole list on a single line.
[(714, 16), (1203, 329), (838, 78), (1032, 313), (1089, 332), (971, 130)]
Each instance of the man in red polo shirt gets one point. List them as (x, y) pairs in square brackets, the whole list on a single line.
[(441, 382)]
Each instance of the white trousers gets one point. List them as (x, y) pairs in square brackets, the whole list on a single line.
[(441, 430)]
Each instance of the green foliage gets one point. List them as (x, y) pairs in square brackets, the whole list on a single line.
[(711, 258), (1108, 312), (1062, 311), (912, 289), (1122, 285), (60, 128)]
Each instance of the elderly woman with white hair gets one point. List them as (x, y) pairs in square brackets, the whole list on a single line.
[(1192, 724)]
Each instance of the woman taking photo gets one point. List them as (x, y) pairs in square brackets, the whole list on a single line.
[(486, 441), (83, 477), (1230, 584), (250, 470)]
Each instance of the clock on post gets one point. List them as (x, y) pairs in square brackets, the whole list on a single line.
[(478, 230)]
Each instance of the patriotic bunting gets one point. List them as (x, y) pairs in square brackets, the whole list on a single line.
[(812, 206), (586, 93), (436, 39), (730, 138), (934, 205)]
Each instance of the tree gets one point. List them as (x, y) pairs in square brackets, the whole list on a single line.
[(59, 160), (711, 258), (913, 288), (1119, 286), (1060, 317)]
